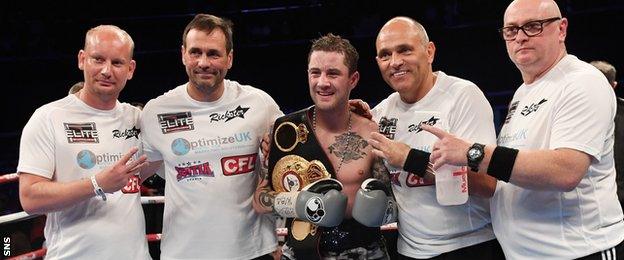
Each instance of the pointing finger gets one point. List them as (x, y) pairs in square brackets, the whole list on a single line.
[(126, 157), (137, 168), (434, 130), (379, 154), (379, 137), (374, 143), (133, 164)]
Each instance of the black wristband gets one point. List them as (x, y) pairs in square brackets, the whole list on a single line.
[(502, 163), (416, 162)]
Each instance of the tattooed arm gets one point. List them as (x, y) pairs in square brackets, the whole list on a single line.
[(264, 195), (381, 173)]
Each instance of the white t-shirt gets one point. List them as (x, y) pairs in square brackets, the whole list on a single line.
[(68, 140), (571, 106), (210, 152), (427, 229)]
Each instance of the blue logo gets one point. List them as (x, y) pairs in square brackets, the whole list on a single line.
[(86, 159), (180, 146)]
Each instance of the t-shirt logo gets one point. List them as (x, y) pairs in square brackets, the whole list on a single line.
[(229, 114), (239, 164), (532, 108), (193, 170), (416, 128), (180, 146), (511, 111), (86, 159), (413, 180), (81, 132), (387, 127), (127, 134), (133, 185), (175, 122)]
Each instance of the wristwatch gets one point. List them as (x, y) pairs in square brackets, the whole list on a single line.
[(475, 155)]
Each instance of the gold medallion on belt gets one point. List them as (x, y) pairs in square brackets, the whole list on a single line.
[(293, 172), (287, 135)]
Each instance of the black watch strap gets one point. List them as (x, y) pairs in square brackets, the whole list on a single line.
[(475, 155)]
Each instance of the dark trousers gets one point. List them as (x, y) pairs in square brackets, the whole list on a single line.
[(614, 253), (264, 257), (488, 250)]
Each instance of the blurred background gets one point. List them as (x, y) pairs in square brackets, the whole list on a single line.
[(39, 43)]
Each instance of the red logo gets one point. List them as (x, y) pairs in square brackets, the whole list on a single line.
[(133, 185), (394, 178), (239, 164), (193, 170), (413, 180), (463, 173)]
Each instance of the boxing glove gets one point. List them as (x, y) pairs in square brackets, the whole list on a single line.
[(320, 203), (374, 204)]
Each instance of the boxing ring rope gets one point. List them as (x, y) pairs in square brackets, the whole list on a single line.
[(6, 178), (145, 200)]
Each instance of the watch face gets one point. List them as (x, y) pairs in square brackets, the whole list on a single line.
[(474, 153)]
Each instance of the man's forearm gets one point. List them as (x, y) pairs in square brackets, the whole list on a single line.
[(39, 195), (560, 169)]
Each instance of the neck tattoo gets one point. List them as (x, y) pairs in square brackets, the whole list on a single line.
[(342, 158)]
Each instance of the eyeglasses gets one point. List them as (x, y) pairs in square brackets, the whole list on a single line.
[(530, 29)]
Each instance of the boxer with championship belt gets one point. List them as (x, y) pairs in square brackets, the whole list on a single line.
[(297, 161), (318, 160)]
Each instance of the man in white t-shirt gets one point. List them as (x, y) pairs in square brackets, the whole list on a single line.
[(207, 132), (554, 196), (423, 97), (75, 159)]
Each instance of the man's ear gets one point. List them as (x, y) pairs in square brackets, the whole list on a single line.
[(230, 59), (354, 79), (81, 59), (431, 52)]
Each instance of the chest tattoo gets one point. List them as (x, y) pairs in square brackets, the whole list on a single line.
[(348, 146)]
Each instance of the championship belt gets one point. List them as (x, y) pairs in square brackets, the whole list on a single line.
[(293, 172), (296, 160)]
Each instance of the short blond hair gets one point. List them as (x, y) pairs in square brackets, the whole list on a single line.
[(120, 32)]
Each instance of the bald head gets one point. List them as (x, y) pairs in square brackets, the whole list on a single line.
[(404, 25), (538, 8), (92, 37)]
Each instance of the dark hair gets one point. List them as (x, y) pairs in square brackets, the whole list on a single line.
[(335, 43), (137, 104), (207, 23)]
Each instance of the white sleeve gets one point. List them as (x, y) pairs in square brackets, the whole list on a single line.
[(584, 115), (273, 110), (272, 113), (378, 110), (37, 146), (471, 117), (149, 130)]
